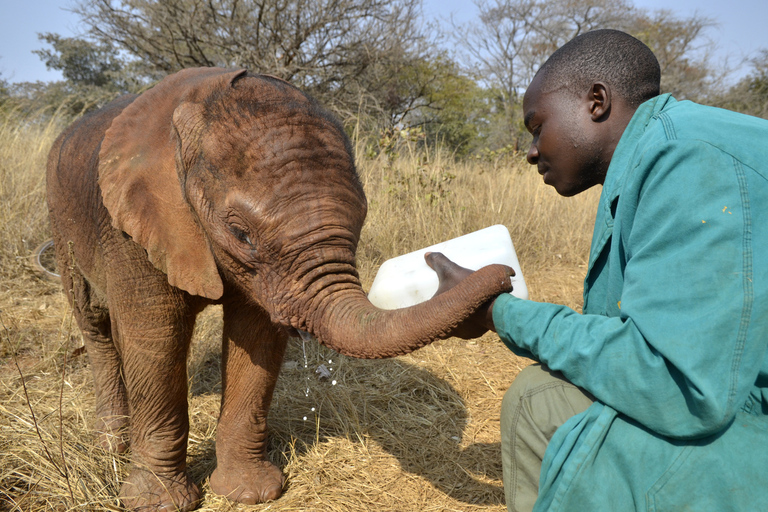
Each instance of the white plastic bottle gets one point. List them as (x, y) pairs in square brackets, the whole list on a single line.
[(407, 280)]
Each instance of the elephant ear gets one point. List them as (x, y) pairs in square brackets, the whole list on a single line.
[(140, 183)]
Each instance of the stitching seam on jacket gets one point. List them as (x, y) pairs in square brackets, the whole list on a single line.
[(746, 311), (669, 128)]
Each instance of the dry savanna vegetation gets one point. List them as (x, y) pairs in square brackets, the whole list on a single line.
[(415, 433)]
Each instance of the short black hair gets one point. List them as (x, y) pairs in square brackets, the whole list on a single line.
[(623, 62)]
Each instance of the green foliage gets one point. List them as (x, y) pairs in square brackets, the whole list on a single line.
[(392, 141), (5, 94), (94, 74), (435, 101), (452, 112), (456, 111), (82, 62), (505, 130), (750, 94)]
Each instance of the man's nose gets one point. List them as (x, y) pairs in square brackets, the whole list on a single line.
[(533, 155)]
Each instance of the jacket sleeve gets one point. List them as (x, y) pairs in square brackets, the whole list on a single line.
[(682, 349)]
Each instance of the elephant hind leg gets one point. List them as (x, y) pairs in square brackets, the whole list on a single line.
[(253, 350), (93, 319)]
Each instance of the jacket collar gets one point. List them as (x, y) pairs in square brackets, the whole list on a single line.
[(618, 170)]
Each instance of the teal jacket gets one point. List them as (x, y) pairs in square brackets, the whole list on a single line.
[(673, 339)]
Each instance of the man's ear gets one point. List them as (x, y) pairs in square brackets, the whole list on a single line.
[(599, 101)]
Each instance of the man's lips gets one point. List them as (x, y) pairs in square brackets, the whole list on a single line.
[(544, 171)]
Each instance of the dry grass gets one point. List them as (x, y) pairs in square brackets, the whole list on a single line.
[(418, 432)]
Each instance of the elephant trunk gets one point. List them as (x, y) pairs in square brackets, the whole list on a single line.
[(344, 319)]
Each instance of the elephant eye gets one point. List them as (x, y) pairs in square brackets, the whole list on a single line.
[(241, 235)]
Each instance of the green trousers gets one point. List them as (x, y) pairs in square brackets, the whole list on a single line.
[(536, 404)]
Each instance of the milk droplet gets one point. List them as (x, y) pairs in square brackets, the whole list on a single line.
[(305, 418), (313, 409), (333, 382)]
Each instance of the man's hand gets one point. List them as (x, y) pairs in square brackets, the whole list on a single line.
[(450, 274)]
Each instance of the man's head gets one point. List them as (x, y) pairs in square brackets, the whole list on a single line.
[(580, 102)]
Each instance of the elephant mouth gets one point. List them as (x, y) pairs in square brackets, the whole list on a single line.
[(293, 332), (304, 335)]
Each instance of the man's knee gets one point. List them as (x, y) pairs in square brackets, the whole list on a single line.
[(542, 397), (529, 381), (535, 405)]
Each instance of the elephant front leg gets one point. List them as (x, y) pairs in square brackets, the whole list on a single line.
[(253, 350), (154, 329)]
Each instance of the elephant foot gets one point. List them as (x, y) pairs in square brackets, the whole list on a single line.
[(256, 483), (112, 433), (145, 491)]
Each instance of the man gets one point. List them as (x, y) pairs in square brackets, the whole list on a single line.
[(656, 397)]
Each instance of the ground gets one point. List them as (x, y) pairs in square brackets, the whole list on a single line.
[(418, 432)]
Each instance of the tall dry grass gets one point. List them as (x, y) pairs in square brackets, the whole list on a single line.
[(24, 144), (418, 432), (421, 198)]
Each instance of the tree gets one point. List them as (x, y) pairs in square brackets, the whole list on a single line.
[(682, 49), (94, 73), (347, 53), (452, 109), (512, 38), (80, 61), (3, 90), (750, 94)]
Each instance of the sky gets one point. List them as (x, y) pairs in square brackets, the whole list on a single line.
[(741, 31)]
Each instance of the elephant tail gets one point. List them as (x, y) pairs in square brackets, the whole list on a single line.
[(44, 262)]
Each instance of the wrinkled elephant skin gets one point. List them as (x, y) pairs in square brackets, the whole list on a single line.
[(217, 187)]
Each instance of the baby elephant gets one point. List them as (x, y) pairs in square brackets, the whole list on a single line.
[(217, 187)]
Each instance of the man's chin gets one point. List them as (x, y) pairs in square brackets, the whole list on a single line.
[(569, 189), (561, 188)]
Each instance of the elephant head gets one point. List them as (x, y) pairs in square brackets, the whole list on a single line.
[(241, 180)]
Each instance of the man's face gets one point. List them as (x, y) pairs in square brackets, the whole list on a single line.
[(566, 141)]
